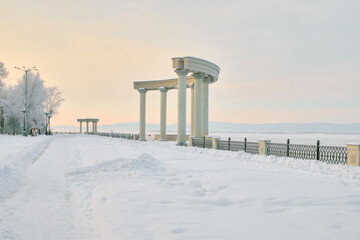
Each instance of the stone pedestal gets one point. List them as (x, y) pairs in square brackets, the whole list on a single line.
[(215, 142), (353, 154), (191, 139), (264, 147)]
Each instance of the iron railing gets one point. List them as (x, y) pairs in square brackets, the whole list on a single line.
[(328, 154), (334, 155), (128, 136), (302, 151), (228, 145), (278, 149), (252, 147)]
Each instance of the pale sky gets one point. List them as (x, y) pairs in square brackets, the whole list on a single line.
[(280, 61)]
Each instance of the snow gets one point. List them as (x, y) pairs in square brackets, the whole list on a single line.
[(91, 187), (16, 155)]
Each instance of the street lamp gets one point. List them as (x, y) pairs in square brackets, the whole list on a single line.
[(46, 122), (48, 116), (25, 108)]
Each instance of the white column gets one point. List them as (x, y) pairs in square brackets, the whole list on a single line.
[(192, 110), (163, 92), (198, 78), (96, 127), (181, 124), (142, 92), (87, 127), (80, 126), (93, 126), (205, 106)]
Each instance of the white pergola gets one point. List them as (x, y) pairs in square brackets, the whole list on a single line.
[(203, 73), (87, 120)]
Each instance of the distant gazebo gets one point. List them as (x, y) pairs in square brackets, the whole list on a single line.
[(87, 120)]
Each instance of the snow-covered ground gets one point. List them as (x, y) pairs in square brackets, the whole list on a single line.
[(91, 187)]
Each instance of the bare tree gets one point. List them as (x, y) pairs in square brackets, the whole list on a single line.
[(53, 102)]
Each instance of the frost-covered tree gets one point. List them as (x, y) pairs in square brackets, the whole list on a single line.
[(11, 110), (30, 93), (3, 75), (53, 102)]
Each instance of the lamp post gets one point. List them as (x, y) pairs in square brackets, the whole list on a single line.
[(46, 122), (48, 116), (50, 113), (25, 108)]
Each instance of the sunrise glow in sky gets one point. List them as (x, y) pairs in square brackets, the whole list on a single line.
[(280, 61)]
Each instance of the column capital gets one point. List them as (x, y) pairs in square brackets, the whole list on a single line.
[(142, 90), (198, 75), (181, 72), (191, 85), (163, 89)]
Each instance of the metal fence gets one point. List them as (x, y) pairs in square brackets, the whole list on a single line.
[(328, 154), (331, 154), (278, 149), (65, 132), (228, 145), (128, 136), (202, 142)]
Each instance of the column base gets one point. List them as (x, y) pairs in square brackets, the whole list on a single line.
[(181, 144), (142, 139), (163, 140)]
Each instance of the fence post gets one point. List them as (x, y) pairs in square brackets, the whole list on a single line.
[(353, 157), (245, 140), (229, 143), (288, 148), (264, 147), (191, 141), (215, 142), (317, 150)]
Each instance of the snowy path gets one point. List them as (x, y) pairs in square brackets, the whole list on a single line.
[(42, 208), (89, 187)]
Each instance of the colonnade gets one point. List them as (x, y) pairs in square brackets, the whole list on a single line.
[(203, 73), (94, 122)]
